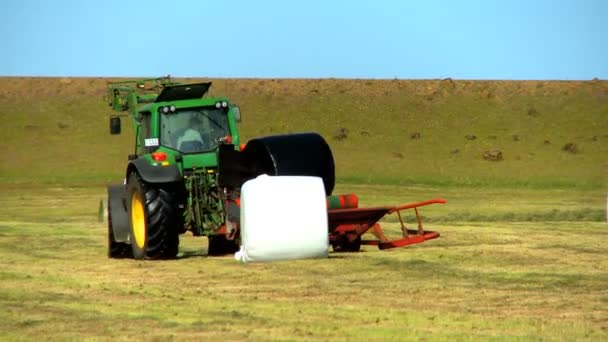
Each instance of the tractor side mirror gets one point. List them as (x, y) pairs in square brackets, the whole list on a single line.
[(237, 113), (114, 125)]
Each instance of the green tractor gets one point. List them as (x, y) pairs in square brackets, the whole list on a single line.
[(188, 166)]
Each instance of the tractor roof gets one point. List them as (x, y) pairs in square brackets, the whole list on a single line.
[(183, 92)]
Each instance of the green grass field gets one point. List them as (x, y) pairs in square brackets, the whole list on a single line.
[(480, 280), (522, 255)]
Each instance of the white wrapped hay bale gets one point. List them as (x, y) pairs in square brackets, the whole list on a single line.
[(282, 218)]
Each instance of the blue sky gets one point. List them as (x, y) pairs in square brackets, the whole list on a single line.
[(466, 39)]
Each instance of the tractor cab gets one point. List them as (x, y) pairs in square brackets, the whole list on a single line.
[(179, 122)]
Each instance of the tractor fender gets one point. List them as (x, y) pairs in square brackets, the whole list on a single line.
[(118, 212), (154, 174)]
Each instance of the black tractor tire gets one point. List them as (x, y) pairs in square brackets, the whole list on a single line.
[(154, 217), (344, 244), (220, 245), (117, 250)]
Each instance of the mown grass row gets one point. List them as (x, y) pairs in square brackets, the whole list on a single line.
[(554, 215), (463, 204)]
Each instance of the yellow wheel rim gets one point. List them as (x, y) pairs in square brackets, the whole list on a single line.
[(138, 221)]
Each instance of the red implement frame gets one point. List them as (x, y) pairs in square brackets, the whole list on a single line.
[(354, 222)]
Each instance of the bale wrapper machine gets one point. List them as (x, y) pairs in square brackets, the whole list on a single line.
[(189, 164)]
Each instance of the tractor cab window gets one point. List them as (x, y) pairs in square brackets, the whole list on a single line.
[(194, 129)]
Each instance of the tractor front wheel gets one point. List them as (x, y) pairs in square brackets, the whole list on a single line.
[(117, 250), (154, 219)]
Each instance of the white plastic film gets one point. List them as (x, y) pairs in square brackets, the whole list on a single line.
[(283, 218)]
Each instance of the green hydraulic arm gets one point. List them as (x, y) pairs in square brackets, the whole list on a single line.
[(126, 96)]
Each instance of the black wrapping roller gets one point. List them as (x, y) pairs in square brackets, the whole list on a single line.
[(303, 154)]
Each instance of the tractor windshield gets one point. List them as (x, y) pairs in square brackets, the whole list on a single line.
[(194, 130)]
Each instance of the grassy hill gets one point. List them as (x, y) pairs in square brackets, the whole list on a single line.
[(434, 132)]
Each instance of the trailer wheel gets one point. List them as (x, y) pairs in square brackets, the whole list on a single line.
[(220, 245), (154, 219), (117, 250), (343, 244)]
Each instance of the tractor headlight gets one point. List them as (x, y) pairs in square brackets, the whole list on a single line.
[(224, 104), (167, 109), (218, 105)]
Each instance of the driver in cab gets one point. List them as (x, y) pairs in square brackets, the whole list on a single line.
[(191, 139)]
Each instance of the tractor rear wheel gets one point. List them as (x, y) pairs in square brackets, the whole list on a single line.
[(154, 219)]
